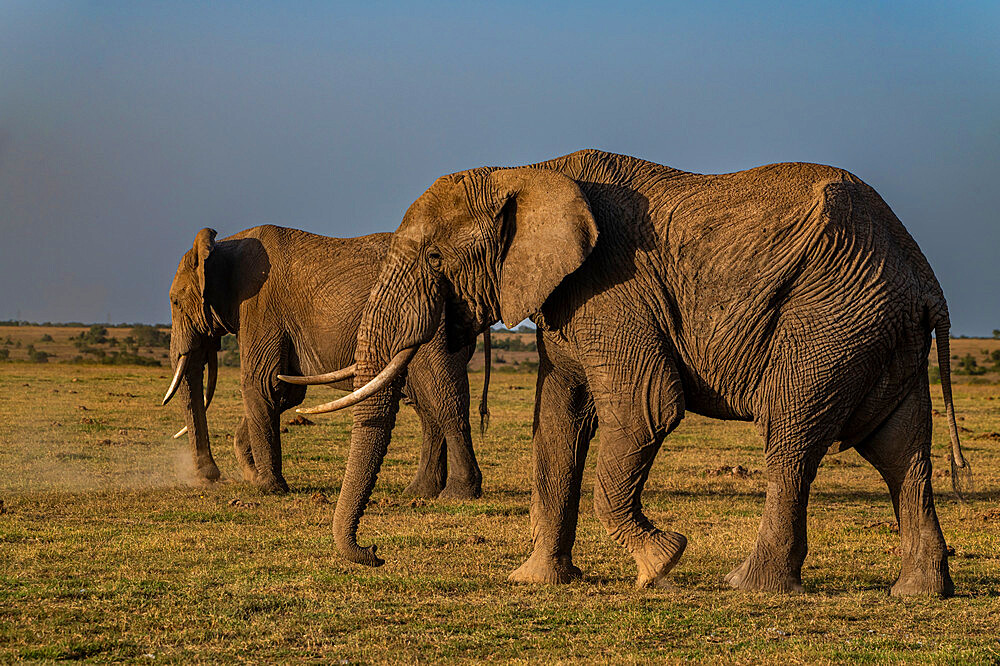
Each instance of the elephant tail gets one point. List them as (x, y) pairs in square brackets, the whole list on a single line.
[(961, 472), (484, 407)]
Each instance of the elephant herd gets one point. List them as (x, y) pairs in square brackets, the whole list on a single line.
[(788, 295)]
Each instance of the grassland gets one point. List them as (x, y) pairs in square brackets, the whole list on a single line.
[(107, 553)]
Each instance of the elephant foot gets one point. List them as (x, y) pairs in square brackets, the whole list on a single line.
[(272, 484), (249, 474), (546, 571), (208, 470), (932, 580), (657, 557), (462, 490), (755, 575), (423, 486)]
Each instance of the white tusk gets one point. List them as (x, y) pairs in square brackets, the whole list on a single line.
[(176, 381), (378, 382), (181, 432), (326, 378)]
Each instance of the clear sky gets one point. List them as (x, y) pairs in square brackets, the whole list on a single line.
[(127, 126)]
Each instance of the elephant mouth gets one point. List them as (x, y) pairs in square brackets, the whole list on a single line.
[(391, 371)]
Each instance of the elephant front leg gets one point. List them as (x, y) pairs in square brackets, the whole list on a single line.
[(638, 405), (564, 424), (622, 469)]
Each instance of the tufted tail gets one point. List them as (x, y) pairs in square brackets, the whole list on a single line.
[(961, 472)]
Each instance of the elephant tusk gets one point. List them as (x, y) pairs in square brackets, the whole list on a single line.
[(213, 377), (180, 433), (378, 382), (176, 381), (325, 378)]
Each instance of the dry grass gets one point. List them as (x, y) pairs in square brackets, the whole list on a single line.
[(107, 554)]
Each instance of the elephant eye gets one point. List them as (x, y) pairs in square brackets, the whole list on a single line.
[(434, 258)]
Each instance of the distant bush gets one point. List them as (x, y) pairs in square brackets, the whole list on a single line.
[(510, 344), (934, 374), (148, 336), (36, 356), (967, 365), (46, 338), (4, 354), (230, 352), (95, 335), (124, 358)]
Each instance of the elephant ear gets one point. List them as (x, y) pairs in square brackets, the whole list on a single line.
[(204, 243), (548, 230)]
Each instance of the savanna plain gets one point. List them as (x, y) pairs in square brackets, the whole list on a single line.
[(109, 551)]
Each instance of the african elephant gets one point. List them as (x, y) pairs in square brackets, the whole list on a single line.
[(788, 295), (294, 300)]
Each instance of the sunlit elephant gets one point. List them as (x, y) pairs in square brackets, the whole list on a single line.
[(789, 295), (294, 300)]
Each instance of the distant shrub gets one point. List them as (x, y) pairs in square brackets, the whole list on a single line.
[(967, 365), (934, 374), (4, 354), (95, 335), (148, 336), (46, 338), (511, 344), (231, 352), (116, 358), (36, 356)]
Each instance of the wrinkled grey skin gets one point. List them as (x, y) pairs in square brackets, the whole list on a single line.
[(789, 295), (294, 300)]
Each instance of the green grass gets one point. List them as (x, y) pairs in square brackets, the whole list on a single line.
[(106, 553)]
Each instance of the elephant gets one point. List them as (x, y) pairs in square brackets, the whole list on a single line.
[(788, 295), (294, 300)]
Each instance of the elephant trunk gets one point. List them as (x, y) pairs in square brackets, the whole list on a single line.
[(387, 340), (190, 391), (373, 423)]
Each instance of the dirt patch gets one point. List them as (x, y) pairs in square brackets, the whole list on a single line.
[(300, 421), (738, 472), (240, 504), (319, 498)]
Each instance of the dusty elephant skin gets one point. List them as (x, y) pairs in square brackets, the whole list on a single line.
[(789, 295), (294, 300)]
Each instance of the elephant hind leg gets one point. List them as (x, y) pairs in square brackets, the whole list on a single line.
[(244, 452), (795, 441), (775, 564), (900, 450), (432, 469)]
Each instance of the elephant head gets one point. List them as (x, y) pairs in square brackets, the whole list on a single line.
[(194, 342), (478, 246)]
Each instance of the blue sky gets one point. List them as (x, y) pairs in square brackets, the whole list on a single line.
[(126, 127)]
